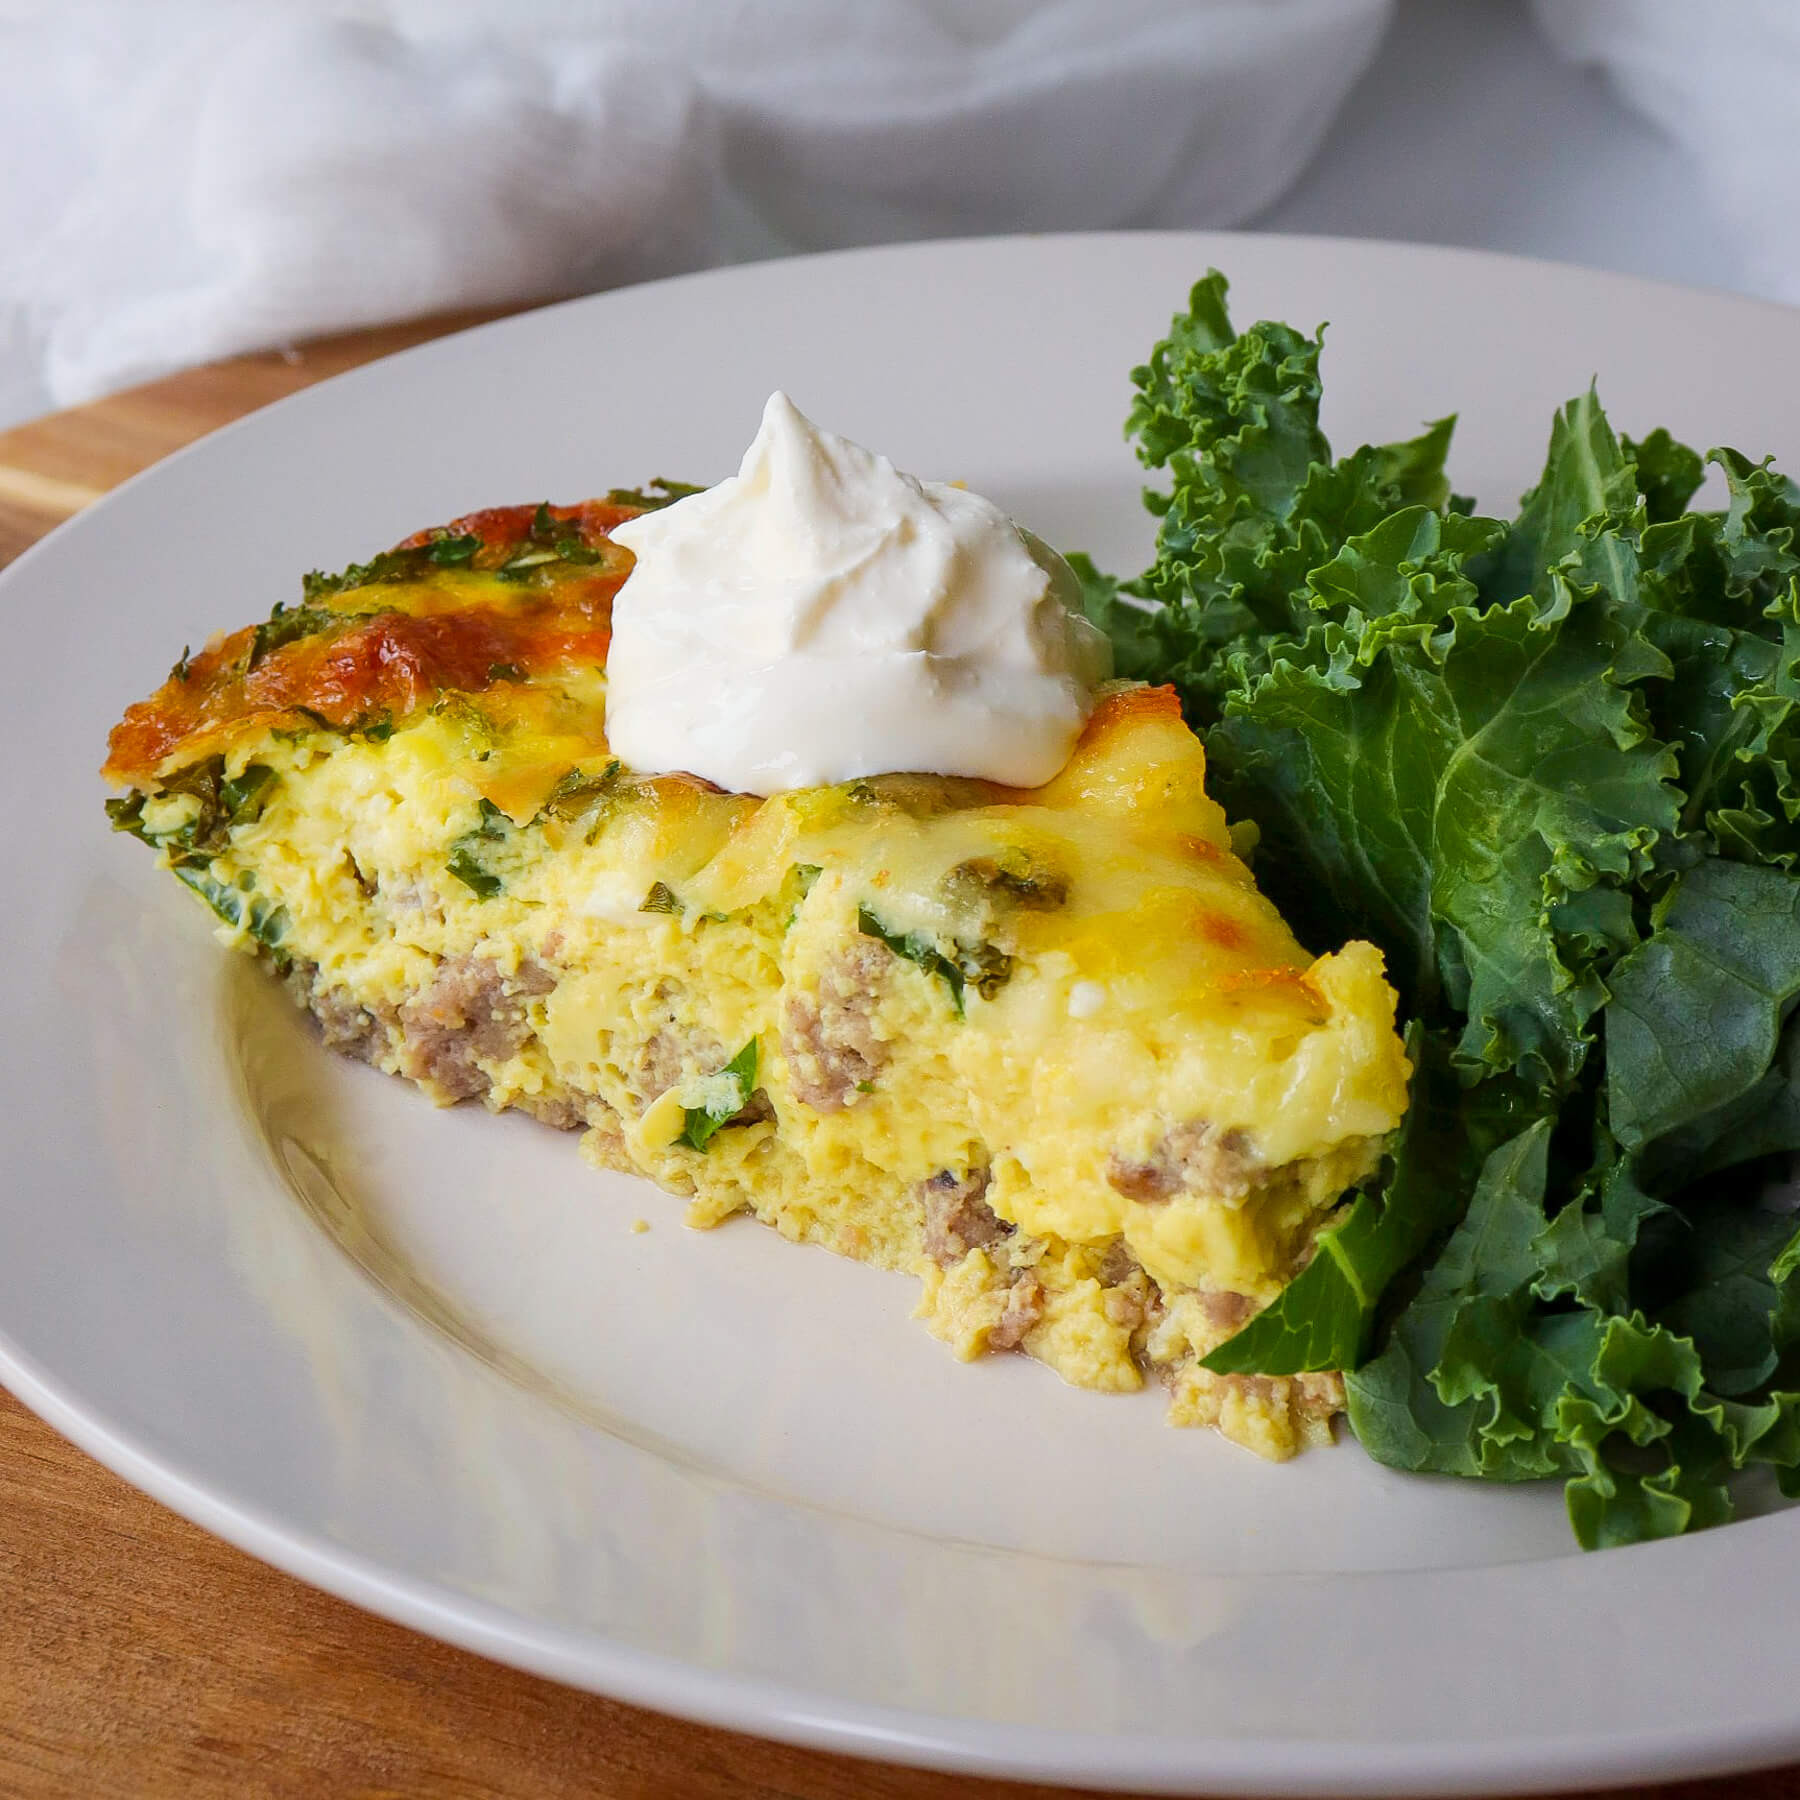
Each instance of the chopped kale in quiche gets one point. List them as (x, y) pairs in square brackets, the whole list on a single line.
[(1050, 1050)]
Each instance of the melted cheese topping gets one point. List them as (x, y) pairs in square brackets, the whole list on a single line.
[(507, 610)]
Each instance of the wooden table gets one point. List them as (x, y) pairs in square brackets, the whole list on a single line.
[(140, 1657)]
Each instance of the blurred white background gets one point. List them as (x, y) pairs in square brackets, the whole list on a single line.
[(184, 179)]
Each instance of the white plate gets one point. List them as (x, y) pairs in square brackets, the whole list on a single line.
[(715, 1474)]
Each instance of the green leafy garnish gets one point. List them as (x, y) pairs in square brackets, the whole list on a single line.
[(964, 965), (241, 796), (376, 726), (549, 540), (796, 884), (660, 899), (452, 552), (287, 625), (658, 493), (466, 866), (579, 794), (441, 550), (735, 1083), (467, 859), (222, 803), (1551, 766), (1011, 877), (240, 908)]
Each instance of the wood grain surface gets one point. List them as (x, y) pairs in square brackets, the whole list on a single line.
[(140, 1658)]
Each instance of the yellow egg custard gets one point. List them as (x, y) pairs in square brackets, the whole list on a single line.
[(1047, 1049)]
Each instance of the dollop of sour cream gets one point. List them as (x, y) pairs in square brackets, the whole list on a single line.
[(821, 616)]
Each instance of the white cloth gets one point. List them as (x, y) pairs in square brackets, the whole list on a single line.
[(1722, 77), (181, 181)]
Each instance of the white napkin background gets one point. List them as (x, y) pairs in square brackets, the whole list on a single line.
[(184, 181), (1722, 77)]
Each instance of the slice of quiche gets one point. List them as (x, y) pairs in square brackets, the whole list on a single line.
[(1050, 1050)]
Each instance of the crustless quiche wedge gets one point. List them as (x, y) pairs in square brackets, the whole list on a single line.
[(1048, 1049)]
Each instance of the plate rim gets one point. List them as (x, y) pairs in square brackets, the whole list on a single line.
[(785, 1714), (739, 1702)]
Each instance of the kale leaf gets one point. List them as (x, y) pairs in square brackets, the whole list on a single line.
[(965, 964), (240, 907), (468, 856), (654, 494), (223, 803), (736, 1083)]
